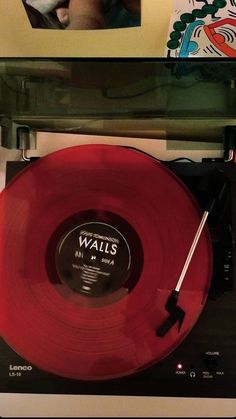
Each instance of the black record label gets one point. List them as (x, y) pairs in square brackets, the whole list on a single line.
[(93, 259)]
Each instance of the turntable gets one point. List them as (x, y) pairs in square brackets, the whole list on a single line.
[(118, 267)]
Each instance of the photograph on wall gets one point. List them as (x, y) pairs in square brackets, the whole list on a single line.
[(83, 14), (202, 28), (80, 28)]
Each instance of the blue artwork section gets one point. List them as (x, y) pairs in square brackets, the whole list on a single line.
[(188, 46)]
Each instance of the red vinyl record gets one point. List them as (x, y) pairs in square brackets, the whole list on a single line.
[(93, 240)]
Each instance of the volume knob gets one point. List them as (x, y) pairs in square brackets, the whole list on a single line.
[(211, 362)]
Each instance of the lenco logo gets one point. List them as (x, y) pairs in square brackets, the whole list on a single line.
[(20, 368)]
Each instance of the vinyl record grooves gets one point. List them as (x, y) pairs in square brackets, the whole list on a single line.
[(93, 239)]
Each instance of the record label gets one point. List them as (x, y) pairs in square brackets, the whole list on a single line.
[(93, 259)]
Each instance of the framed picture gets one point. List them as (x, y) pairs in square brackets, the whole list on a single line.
[(118, 28), (72, 28)]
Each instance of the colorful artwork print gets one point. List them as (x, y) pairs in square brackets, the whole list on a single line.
[(202, 28)]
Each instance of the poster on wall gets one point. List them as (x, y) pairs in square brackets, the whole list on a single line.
[(118, 28), (202, 28)]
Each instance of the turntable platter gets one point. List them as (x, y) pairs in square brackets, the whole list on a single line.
[(93, 239)]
